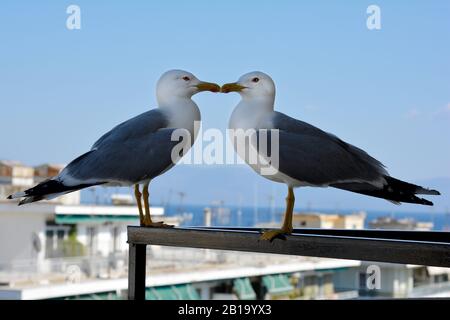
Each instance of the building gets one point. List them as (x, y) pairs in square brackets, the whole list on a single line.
[(15, 177), (400, 224), (323, 221), (175, 273), (329, 221), (396, 281), (61, 251)]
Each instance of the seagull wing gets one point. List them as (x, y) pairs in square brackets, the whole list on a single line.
[(315, 157), (135, 150)]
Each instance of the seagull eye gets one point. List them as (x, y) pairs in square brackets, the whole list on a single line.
[(186, 78), (255, 80)]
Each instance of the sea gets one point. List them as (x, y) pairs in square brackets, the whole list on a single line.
[(233, 216)]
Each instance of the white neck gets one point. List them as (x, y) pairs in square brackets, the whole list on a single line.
[(248, 113), (183, 113)]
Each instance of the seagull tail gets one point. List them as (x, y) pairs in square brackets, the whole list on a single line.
[(47, 189), (409, 187), (395, 191)]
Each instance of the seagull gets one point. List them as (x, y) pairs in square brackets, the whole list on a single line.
[(307, 156), (135, 151)]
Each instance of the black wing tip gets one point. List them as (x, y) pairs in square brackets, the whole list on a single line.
[(426, 191), (435, 193), (427, 203), (9, 197), (409, 187), (29, 200)]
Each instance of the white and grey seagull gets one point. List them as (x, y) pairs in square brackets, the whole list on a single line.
[(135, 151), (308, 156)]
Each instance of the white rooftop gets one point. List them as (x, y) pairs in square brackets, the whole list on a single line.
[(58, 209)]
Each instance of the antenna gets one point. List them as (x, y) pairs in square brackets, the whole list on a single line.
[(239, 212), (169, 199), (255, 207), (271, 199), (447, 220), (181, 194)]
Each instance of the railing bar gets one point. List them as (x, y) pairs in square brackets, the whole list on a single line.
[(382, 250), (432, 236), (258, 232), (319, 230)]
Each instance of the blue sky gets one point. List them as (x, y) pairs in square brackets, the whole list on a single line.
[(387, 91)]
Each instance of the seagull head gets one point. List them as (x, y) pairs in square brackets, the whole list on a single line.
[(254, 84), (181, 84)]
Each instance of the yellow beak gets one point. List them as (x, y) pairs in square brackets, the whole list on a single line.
[(231, 87), (208, 86)]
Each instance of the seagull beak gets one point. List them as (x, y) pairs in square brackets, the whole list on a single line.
[(232, 87), (208, 86)]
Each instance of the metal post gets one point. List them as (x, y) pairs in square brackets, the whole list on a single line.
[(136, 271)]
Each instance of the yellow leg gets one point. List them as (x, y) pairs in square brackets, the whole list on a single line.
[(286, 228), (138, 196), (148, 219), (145, 194)]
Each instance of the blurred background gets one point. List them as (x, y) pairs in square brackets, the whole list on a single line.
[(386, 90)]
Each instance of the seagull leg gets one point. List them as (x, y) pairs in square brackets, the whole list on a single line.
[(138, 196), (148, 219), (287, 223)]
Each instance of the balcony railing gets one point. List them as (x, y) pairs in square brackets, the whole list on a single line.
[(406, 247)]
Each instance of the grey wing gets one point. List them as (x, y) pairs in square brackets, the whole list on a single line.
[(136, 150), (316, 157), (147, 122)]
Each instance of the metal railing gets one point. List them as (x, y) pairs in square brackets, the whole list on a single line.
[(405, 247)]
